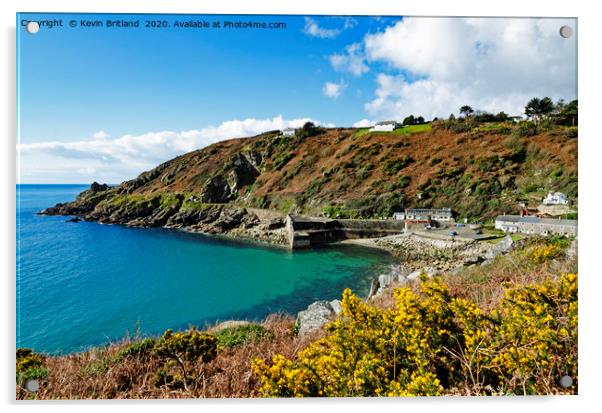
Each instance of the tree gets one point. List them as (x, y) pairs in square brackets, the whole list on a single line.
[(539, 108), (409, 120), (466, 110), (502, 117), (568, 113), (546, 106), (307, 130)]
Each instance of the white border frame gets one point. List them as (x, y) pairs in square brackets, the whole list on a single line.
[(590, 139)]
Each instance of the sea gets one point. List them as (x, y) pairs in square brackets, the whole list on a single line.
[(85, 284)]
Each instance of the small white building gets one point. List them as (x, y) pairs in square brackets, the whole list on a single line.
[(556, 198), (290, 132), (435, 214), (399, 216), (386, 126)]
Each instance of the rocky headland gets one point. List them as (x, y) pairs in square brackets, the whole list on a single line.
[(107, 205)]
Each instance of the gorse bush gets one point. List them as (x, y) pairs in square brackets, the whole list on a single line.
[(183, 349), (432, 343), (29, 366), (139, 349), (541, 253), (184, 346)]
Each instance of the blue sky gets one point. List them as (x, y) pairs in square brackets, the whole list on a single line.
[(136, 80), (108, 103)]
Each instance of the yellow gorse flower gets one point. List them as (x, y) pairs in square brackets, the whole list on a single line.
[(431, 340)]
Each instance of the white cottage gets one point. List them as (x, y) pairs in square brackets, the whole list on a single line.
[(386, 126), (399, 216), (290, 132), (435, 214), (535, 225), (556, 198)]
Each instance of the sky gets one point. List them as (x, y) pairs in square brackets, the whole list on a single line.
[(105, 104)]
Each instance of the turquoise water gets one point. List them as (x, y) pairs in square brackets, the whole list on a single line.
[(84, 284)]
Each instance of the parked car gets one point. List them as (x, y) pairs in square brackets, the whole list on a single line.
[(453, 233)]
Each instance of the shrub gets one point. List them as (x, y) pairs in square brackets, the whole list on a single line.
[(29, 366), (392, 166), (283, 160), (435, 161), (364, 172), (315, 186), (404, 181), (541, 253), (527, 128), (235, 336), (189, 345), (307, 130), (138, 349), (571, 132), (185, 348), (432, 342)]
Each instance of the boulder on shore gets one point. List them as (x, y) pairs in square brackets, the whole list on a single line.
[(316, 315)]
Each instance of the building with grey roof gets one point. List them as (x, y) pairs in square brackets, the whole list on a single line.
[(535, 225), (435, 214)]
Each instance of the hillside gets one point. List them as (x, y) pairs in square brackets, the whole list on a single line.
[(347, 172)]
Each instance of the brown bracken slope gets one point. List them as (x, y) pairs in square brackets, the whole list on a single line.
[(349, 172)]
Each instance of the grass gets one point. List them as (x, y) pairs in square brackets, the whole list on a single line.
[(125, 370), (236, 336), (410, 129), (404, 130), (515, 237)]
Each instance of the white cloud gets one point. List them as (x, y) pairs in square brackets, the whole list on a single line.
[(349, 23), (119, 159), (364, 123), (313, 29), (100, 135), (334, 90), (352, 61), (86, 171), (438, 64)]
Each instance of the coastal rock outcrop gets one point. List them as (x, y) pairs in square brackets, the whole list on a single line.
[(443, 255), (243, 172), (216, 190), (316, 315), (501, 247), (96, 187), (174, 210)]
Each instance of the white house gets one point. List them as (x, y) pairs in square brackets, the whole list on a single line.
[(399, 216), (556, 198), (288, 132), (386, 126), (535, 225), (435, 214)]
